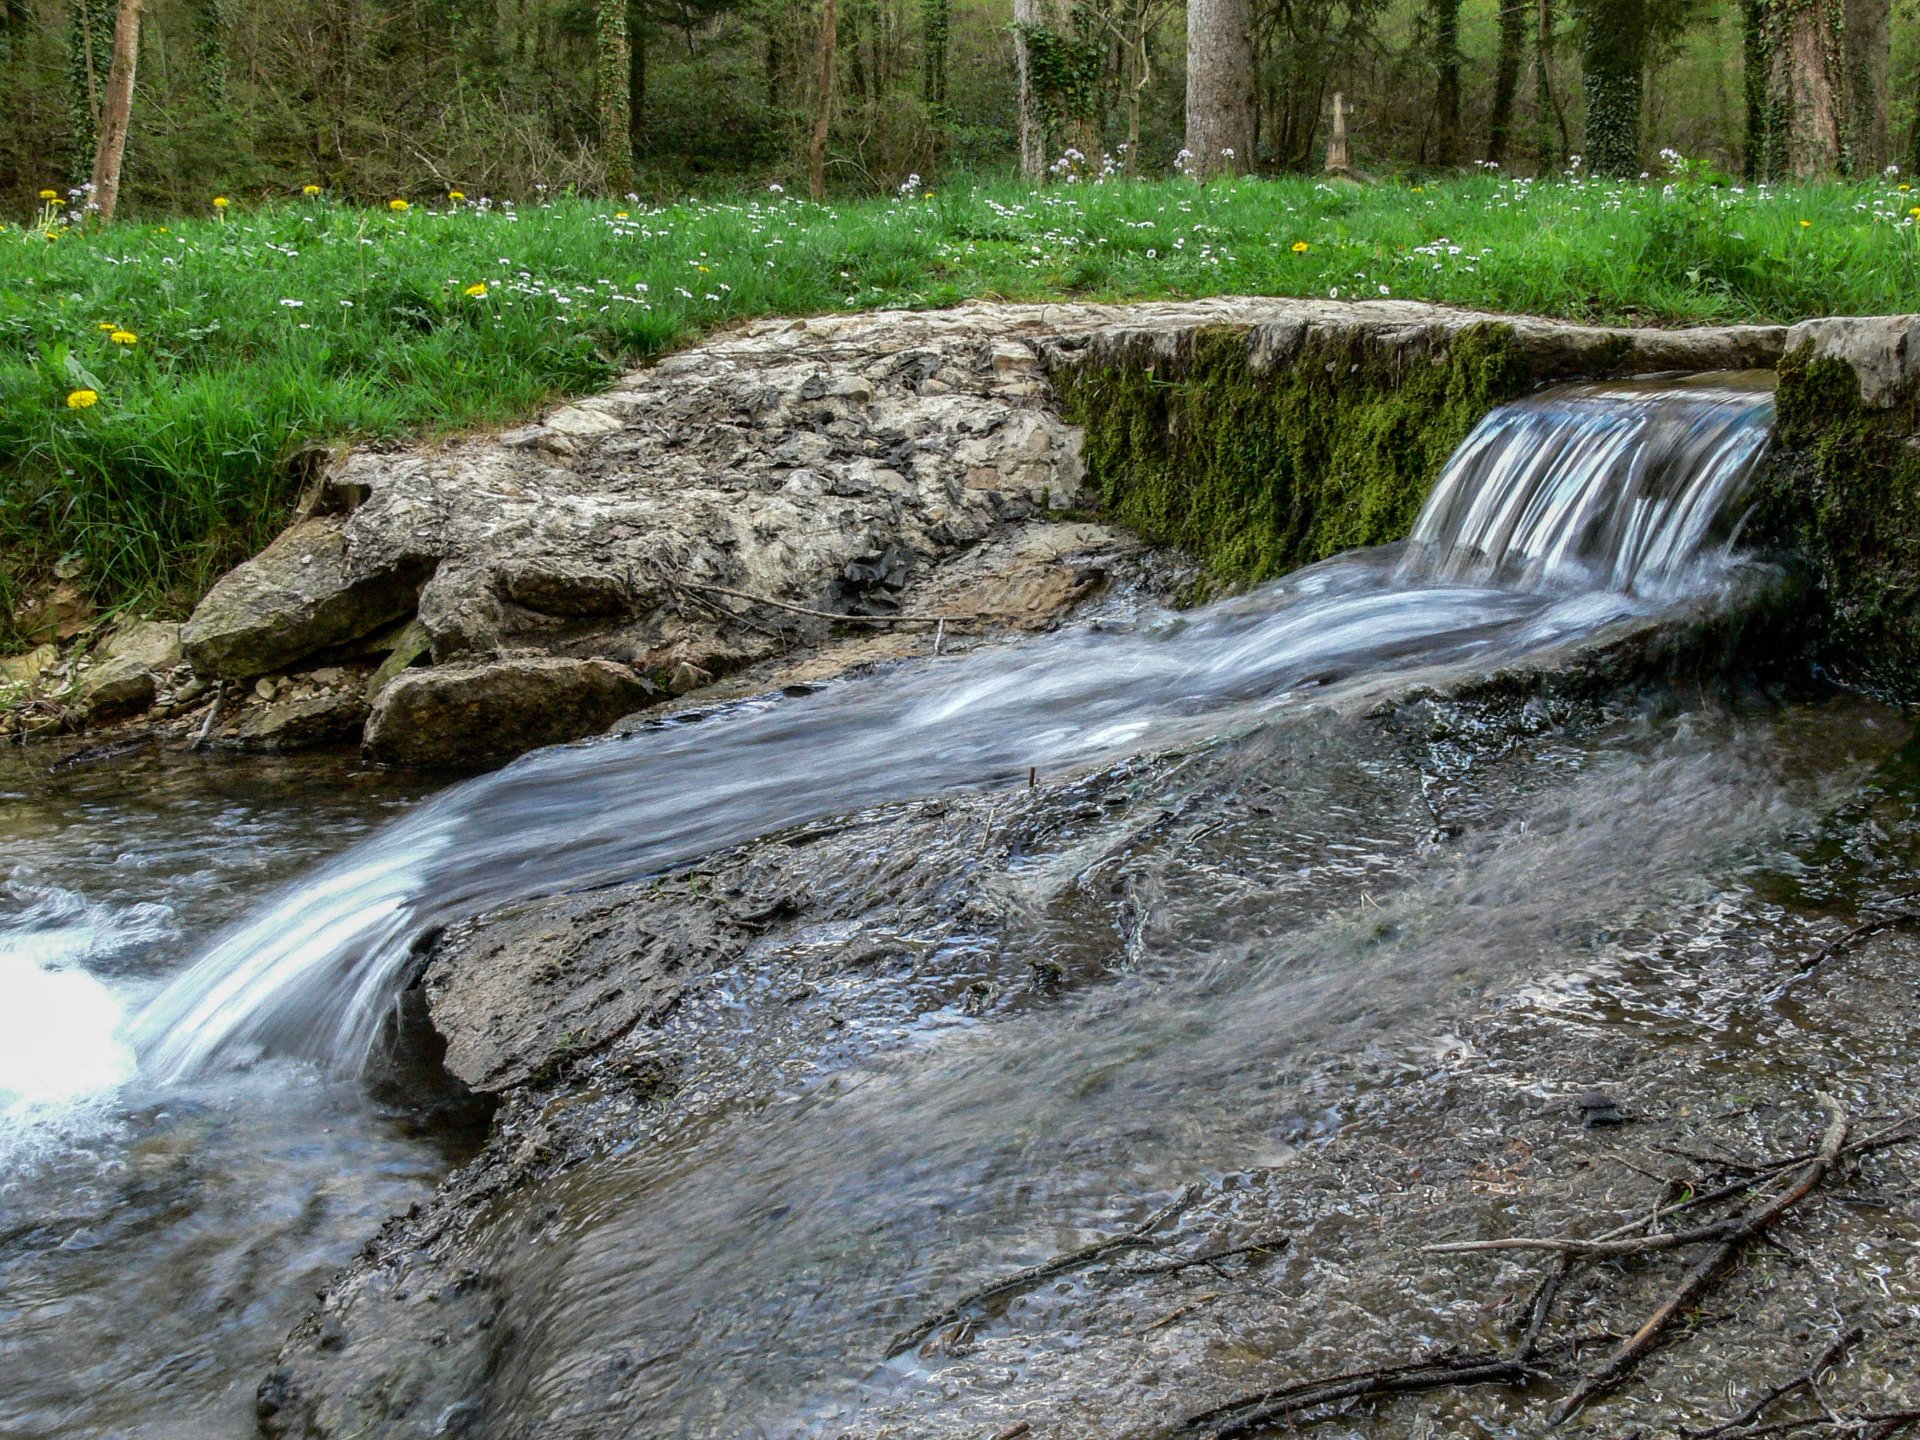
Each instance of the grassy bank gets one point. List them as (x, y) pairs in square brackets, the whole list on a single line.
[(216, 348)]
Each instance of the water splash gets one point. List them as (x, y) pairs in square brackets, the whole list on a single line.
[(1560, 514)]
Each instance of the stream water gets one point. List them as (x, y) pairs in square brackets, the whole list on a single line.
[(199, 960)]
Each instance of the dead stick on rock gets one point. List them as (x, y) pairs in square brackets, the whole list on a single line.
[(1060, 1264), (1838, 947), (1271, 1245), (213, 717), (1702, 1276), (1807, 1379), (1276, 1405)]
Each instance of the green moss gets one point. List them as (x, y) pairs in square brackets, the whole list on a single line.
[(1259, 471), (1844, 492)]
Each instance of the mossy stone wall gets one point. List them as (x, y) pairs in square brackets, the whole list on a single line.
[(1843, 492), (1258, 466)]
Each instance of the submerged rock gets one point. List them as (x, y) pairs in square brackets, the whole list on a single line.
[(305, 592), (476, 714)]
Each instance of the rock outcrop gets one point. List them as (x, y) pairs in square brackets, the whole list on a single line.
[(765, 490)]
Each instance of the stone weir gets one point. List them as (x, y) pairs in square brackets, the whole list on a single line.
[(461, 602)]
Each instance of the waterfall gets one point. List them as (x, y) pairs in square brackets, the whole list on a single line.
[(1561, 513)]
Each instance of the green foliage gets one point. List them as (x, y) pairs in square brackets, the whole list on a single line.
[(1260, 473), (265, 333)]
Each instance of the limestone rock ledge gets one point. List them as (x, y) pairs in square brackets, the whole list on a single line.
[(721, 507)]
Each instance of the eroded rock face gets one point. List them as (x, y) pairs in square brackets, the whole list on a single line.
[(1883, 351), (306, 591), (479, 713)]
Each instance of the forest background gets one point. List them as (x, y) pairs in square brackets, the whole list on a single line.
[(515, 99)]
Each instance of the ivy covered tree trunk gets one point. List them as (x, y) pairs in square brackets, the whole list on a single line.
[(1033, 122), (89, 50), (1613, 62), (1219, 87), (210, 30), (116, 110), (1506, 77), (1757, 161), (823, 101), (1446, 89), (1869, 35), (610, 92)]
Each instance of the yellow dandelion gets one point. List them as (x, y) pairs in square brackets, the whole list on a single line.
[(1419, 189), (479, 291), (1906, 187), (309, 190), (456, 196), (1915, 212), (108, 325), (1806, 224), (220, 202), (82, 399), (619, 214), (705, 271), (398, 206), (1300, 247), (123, 337), (49, 194)]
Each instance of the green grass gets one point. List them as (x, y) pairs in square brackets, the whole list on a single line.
[(263, 333)]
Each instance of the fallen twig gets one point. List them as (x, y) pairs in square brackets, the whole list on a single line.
[(1270, 1245), (213, 717), (1255, 1412), (1838, 947), (1072, 1260), (1807, 1379), (1736, 1232)]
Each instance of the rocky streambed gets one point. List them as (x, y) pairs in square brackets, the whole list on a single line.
[(1090, 1094)]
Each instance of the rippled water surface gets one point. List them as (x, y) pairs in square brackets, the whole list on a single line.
[(156, 1246)]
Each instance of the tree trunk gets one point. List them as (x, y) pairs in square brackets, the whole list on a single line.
[(1446, 89), (823, 103), (1546, 101), (1757, 161), (610, 87), (117, 109), (1612, 73), (636, 78), (1033, 123), (1219, 88), (1506, 77), (1806, 84), (1869, 29)]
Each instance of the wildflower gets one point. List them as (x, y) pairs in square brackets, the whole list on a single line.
[(456, 196), (309, 190), (292, 304), (1806, 224), (398, 206), (49, 194), (108, 325), (123, 337), (82, 399), (1915, 212), (478, 291), (704, 270), (1300, 247), (619, 214), (220, 202)]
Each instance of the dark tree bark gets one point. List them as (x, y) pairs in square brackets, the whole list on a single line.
[(1219, 87), (116, 111), (1506, 77), (636, 78), (1550, 117), (823, 101), (1613, 63), (1756, 162), (1446, 89)]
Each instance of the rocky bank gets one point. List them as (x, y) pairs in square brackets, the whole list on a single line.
[(793, 481)]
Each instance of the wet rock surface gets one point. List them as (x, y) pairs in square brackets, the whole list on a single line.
[(763, 1114)]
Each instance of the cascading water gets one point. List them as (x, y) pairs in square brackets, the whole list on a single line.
[(1560, 514)]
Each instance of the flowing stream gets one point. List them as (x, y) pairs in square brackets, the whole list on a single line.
[(200, 961)]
